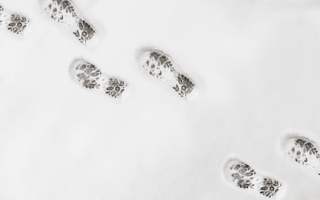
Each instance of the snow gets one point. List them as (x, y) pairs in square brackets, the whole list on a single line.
[(256, 64)]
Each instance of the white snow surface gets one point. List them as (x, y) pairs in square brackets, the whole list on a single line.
[(256, 63)]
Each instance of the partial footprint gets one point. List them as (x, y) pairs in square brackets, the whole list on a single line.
[(303, 151), (14, 22), (244, 176), (161, 66), (64, 12), (241, 174), (90, 77), (268, 187)]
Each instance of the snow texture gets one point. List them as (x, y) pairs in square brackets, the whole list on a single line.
[(256, 64)]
